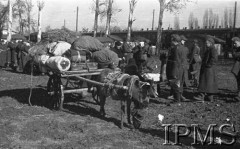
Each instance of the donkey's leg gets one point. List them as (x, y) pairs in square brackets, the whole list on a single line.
[(102, 104), (122, 112), (129, 101)]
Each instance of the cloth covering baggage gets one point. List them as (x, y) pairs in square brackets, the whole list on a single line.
[(58, 48), (58, 63), (87, 42), (106, 56)]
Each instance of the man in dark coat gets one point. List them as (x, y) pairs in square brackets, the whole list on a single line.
[(106, 58), (118, 49), (174, 69), (208, 80), (195, 65), (185, 60), (236, 66), (127, 50)]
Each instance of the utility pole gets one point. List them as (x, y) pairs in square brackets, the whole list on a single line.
[(64, 24), (235, 16), (153, 19), (77, 21)]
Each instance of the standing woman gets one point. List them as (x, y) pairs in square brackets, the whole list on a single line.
[(195, 61), (208, 80)]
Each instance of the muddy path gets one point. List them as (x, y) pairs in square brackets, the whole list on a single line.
[(79, 125)]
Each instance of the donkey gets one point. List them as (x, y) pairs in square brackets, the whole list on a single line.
[(137, 94)]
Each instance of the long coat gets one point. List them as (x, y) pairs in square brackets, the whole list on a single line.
[(236, 67), (175, 69), (208, 80), (194, 66), (174, 63)]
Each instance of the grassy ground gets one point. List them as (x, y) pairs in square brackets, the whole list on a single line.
[(81, 126)]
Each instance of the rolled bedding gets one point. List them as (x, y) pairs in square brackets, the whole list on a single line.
[(58, 63)]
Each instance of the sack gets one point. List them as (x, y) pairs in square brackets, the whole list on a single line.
[(197, 58)]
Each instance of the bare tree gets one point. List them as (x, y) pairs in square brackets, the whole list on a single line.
[(115, 29), (108, 11), (225, 17), (196, 23), (29, 7), (48, 28), (109, 16), (210, 18), (9, 21), (230, 18), (19, 9), (3, 17), (40, 5), (222, 22), (215, 20), (191, 20), (132, 5), (173, 6), (176, 23), (205, 19), (96, 18)]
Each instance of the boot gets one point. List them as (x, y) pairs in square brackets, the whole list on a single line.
[(238, 96), (184, 99), (177, 97), (210, 98), (200, 97)]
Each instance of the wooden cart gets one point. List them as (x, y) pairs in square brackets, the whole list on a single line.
[(56, 87)]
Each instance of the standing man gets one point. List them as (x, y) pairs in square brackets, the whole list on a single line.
[(208, 80), (174, 69), (118, 49), (195, 61), (236, 66), (185, 60), (127, 50)]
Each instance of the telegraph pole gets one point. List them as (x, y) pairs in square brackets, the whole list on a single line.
[(153, 19), (77, 21), (235, 16), (64, 24)]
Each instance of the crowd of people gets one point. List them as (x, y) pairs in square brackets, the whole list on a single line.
[(181, 62), (139, 58)]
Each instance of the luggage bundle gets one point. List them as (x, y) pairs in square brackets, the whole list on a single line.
[(62, 56)]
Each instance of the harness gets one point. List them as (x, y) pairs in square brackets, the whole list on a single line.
[(130, 87)]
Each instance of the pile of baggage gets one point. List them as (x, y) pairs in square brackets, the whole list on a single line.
[(63, 56)]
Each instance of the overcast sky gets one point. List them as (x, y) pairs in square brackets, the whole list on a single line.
[(55, 11)]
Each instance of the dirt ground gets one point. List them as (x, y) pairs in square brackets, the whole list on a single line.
[(81, 126)]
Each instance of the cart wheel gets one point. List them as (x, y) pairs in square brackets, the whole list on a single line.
[(54, 90)]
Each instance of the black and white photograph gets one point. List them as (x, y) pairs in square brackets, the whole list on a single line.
[(119, 74)]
